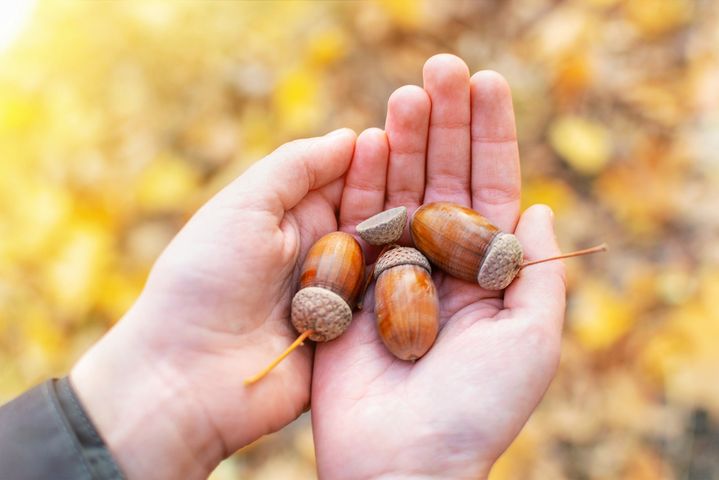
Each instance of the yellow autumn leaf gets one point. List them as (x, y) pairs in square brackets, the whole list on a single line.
[(11, 378), (72, 278), (656, 17), (296, 98), (166, 184), (405, 13), (565, 31), (327, 46), (598, 315), (573, 77), (643, 190), (601, 3), (553, 192), (40, 214), (42, 332), (584, 144), (683, 353), (117, 292), (33, 213)]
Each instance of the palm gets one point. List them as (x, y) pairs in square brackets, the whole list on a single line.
[(223, 289), (374, 414)]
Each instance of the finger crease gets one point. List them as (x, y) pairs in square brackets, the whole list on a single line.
[(402, 197), (404, 153), (365, 187), (492, 140), (449, 125), (447, 177), (497, 195)]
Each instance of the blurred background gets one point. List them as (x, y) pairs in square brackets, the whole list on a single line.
[(117, 120)]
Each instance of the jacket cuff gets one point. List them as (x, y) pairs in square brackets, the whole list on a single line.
[(46, 433)]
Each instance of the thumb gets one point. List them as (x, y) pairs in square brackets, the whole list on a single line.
[(540, 288), (281, 180)]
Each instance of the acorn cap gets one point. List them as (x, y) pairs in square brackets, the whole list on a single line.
[(321, 310), (383, 228), (501, 263), (401, 256)]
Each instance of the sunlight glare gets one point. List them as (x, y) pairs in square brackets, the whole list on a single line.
[(14, 15)]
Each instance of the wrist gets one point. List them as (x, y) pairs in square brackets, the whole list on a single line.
[(441, 476), (435, 472), (422, 456), (142, 410), (429, 466)]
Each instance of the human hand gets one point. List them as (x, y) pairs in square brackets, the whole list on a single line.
[(165, 386), (454, 411)]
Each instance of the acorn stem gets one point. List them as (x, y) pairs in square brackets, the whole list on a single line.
[(586, 251), (368, 280), (303, 336)]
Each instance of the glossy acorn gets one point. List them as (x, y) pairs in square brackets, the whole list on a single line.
[(406, 303), (466, 245), (330, 280), (331, 277)]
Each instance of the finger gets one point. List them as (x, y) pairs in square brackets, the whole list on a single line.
[(446, 80), (495, 154), (539, 289), (364, 189), (282, 179), (406, 126)]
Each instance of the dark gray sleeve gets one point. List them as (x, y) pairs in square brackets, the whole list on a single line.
[(46, 433)]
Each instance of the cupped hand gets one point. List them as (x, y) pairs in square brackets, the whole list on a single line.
[(165, 386), (454, 411)]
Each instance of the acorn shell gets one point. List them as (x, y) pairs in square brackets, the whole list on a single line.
[(385, 227), (464, 244), (407, 310), (335, 262), (331, 277)]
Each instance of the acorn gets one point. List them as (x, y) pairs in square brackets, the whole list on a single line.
[(406, 303), (331, 277), (330, 280), (466, 245)]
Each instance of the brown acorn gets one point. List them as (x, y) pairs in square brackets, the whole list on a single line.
[(330, 280), (466, 245), (406, 303)]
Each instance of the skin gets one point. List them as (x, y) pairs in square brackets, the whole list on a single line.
[(166, 381), (453, 412)]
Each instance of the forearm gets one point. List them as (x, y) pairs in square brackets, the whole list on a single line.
[(142, 412)]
